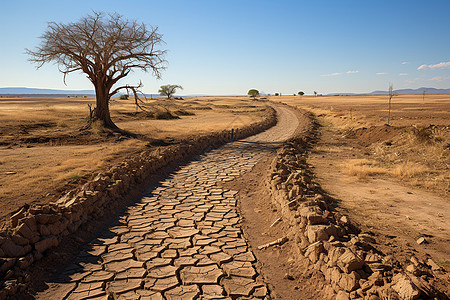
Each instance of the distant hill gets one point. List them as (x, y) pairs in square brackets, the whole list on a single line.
[(37, 91), (412, 91)]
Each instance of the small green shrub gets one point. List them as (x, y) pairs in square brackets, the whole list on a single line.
[(76, 176), (124, 97)]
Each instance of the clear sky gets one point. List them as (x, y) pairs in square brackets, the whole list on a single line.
[(230, 46)]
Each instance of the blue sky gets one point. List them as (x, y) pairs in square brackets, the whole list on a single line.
[(229, 47)]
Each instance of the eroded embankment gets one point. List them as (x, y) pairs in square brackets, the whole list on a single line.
[(329, 242), (36, 228)]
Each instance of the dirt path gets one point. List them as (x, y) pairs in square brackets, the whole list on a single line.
[(183, 239)]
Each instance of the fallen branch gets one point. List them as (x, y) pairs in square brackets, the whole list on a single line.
[(275, 222), (279, 241)]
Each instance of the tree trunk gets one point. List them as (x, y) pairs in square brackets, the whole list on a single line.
[(102, 107)]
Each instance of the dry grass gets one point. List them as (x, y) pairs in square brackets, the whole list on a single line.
[(414, 149), (409, 170), (44, 169), (363, 168)]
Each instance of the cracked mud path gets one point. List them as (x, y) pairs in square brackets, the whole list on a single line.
[(182, 240)]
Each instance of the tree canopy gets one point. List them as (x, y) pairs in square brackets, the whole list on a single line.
[(106, 48), (301, 93), (169, 90), (253, 93)]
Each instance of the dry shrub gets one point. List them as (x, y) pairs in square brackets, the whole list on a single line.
[(428, 135), (409, 170), (362, 168)]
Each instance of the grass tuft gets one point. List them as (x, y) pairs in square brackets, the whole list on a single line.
[(362, 168)]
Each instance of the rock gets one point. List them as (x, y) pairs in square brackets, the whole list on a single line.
[(372, 258), (312, 214), (421, 241), (19, 240), (376, 279), (25, 262), (349, 262), (344, 220), (349, 282), (46, 243), (317, 233), (342, 295), (6, 264), (25, 231), (404, 287), (434, 266), (44, 230), (12, 250), (313, 251)]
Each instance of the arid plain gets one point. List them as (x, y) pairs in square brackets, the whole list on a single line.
[(390, 180)]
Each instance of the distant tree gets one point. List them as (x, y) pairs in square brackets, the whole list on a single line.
[(253, 93), (277, 94), (124, 97), (105, 48), (169, 90), (390, 97), (301, 93), (315, 93)]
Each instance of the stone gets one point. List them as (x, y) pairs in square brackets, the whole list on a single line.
[(25, 231), (98, 276), (260, 292), (212, 290), (349, 282), (19, 240), (158, 262), (121, 286), (201, 275), (316, 233), (87, 290), (118, 266), (183, 292), (46, 243), (181, 232), (162, 272), (220, 258), (246, 256), (421, 241), (140, 294), (132, 273), (349, 262), (118, 255), (11, 249), (342, 295), (238, 286), (404, 287), (161, 284), (184, 261), (434, 266), (240, 268), (25, 262)]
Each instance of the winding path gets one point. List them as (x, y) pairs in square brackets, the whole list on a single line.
[(183, 239)]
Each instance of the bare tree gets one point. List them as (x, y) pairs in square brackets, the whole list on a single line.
[(106, 48), (390, 97), (169, 90)]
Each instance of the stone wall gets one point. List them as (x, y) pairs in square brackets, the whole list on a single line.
[(35, 228), (332, 245)]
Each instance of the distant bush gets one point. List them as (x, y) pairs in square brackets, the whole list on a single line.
[(124, 97)]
